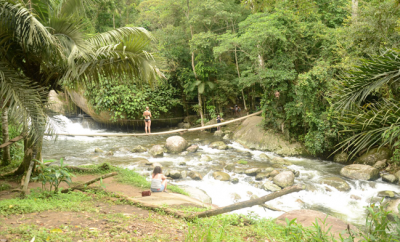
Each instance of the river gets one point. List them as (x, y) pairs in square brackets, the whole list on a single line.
[(80, 151)]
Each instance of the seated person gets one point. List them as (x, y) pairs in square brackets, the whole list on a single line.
[(158, 181)]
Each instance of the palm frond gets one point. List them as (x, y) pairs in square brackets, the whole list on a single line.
[(24, 99), (116, 36), (367, 78), (372, 125)]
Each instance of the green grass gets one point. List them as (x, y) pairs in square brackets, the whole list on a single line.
[(37, 202), (242, 162), (4, 186)]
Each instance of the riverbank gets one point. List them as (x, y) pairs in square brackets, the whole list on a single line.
[(95, 214)]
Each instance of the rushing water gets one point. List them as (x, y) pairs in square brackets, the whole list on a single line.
[(80, 151)]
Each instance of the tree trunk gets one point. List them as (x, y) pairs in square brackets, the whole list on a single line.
[(248, 203), (238, 72), (89, 182), (6, 150), (354, 9), (28, 155), (201, 109)]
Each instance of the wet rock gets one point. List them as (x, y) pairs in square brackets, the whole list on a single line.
[(397, 174), (220, 145), (262, 175), (140, 161), (253, 197), (221, 176), (390, 178), (98, 150), (235, 197), (180, 125), (273, 173), (227, 137), (301, 202), (124, 150), (184, 153), (337, 183), (138, 149), (175, 174), (192, 148), (311, 188), (296, 173), (276, 160), (388, 194), (218, 133), (239, 170), (229, 167), (182, 163), (380, 164), (205, 158), (278, 166), (264, 157), (175, 144), (393, 206), (195, 175), (360, 172), (109, 153), (157, 151), (355, 197), (341, 158), (235, 181), (197, 193), (252, 171), (374, 155), (269, 186), (267, 170), (284, 179), (186, 125), (328, 189), (183, 174)]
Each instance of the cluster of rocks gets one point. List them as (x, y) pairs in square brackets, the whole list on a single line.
[(370, 166)]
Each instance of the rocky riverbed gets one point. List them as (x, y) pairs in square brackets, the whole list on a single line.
[(215, 168)]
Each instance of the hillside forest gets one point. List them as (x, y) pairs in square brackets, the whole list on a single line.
[(325, 73)]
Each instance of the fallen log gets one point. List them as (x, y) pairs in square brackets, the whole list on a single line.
[(8, 173), (88, 182), (248, 203), (12, 141)]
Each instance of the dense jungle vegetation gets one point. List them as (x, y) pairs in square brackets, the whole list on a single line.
[(302, 62), (324, 72)]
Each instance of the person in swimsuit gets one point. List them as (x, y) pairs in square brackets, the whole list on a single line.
[(158, 181), (147, 120), (219, 120)]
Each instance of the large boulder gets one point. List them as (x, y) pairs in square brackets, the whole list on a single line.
[(380, 165), (57, 102), (269, 186), (195, 175), (284, 179), (219, 133), (222, 176), (175, 144), (341, 157), (138, 149), (192, 148), (372, 156), (360, 172), (220, 145), (337, 183), (157, 151), (307, 218), (252, 135), (262, 175), (252, 171), (397, 174), (197, 193), (388, 194)]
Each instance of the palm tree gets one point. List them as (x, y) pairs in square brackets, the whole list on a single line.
[(43, 47), (369, 103)]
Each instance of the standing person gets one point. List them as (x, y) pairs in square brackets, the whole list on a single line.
[(219, 120), (158, 181), (147, 120)]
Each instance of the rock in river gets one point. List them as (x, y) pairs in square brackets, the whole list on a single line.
[(157, 151), (235, 181), (252, 171), (360, 172), (222, 176), (220, 145), (269, 186), (98, 150), (175, 174), (195, 175), (337, 183), (138, 149), (390, 178), (341, 157), (284, 179), (274, 173), (262, 175), (393, 206), (264, 157), (176, 144), (374, 155), (192, 148), (389, 194)]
